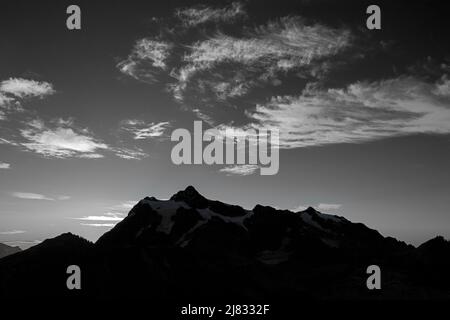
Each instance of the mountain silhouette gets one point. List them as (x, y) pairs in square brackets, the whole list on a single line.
[(191, 247)]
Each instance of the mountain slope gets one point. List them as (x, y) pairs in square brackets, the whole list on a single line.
[(6, 250), (41, 269)]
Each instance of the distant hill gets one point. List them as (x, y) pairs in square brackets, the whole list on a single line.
[(6, 250), (194, 248)]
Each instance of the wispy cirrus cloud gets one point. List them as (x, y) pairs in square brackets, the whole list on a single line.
[(442, 88), (282, 45), (230, 66), (25, 88), (4, 165), (105, 225), (14, 90), (142, 130), (4, 100), (38, 196), (147, 60), (208, 72), (360, 112), (240, 170), (61, 139), (110, 217), (130, 154), (31, 196), (222, 75), (57, 137), (12, 232), (198, 15)]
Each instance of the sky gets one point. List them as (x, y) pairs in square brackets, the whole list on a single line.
[(86, 115)]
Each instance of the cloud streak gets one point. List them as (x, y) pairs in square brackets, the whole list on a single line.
[(360, 112), (198, 15), (230, 67), (24, 88), (147, 60), (15, 90), (109, 225), (4, 165), (142, 130), (12, 232), (37, 196), (240, 170), (111, 217), (61, 140), (31, 196), (130, 154)]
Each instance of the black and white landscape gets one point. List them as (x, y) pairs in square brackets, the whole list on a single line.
[(104, 103)]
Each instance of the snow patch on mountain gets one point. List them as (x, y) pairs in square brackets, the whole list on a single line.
[(308, 219), (167, 209), (207, 214), (334, 218)]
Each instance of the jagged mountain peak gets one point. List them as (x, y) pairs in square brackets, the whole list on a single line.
[(191, 196), (190, 191), (311, 210)]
